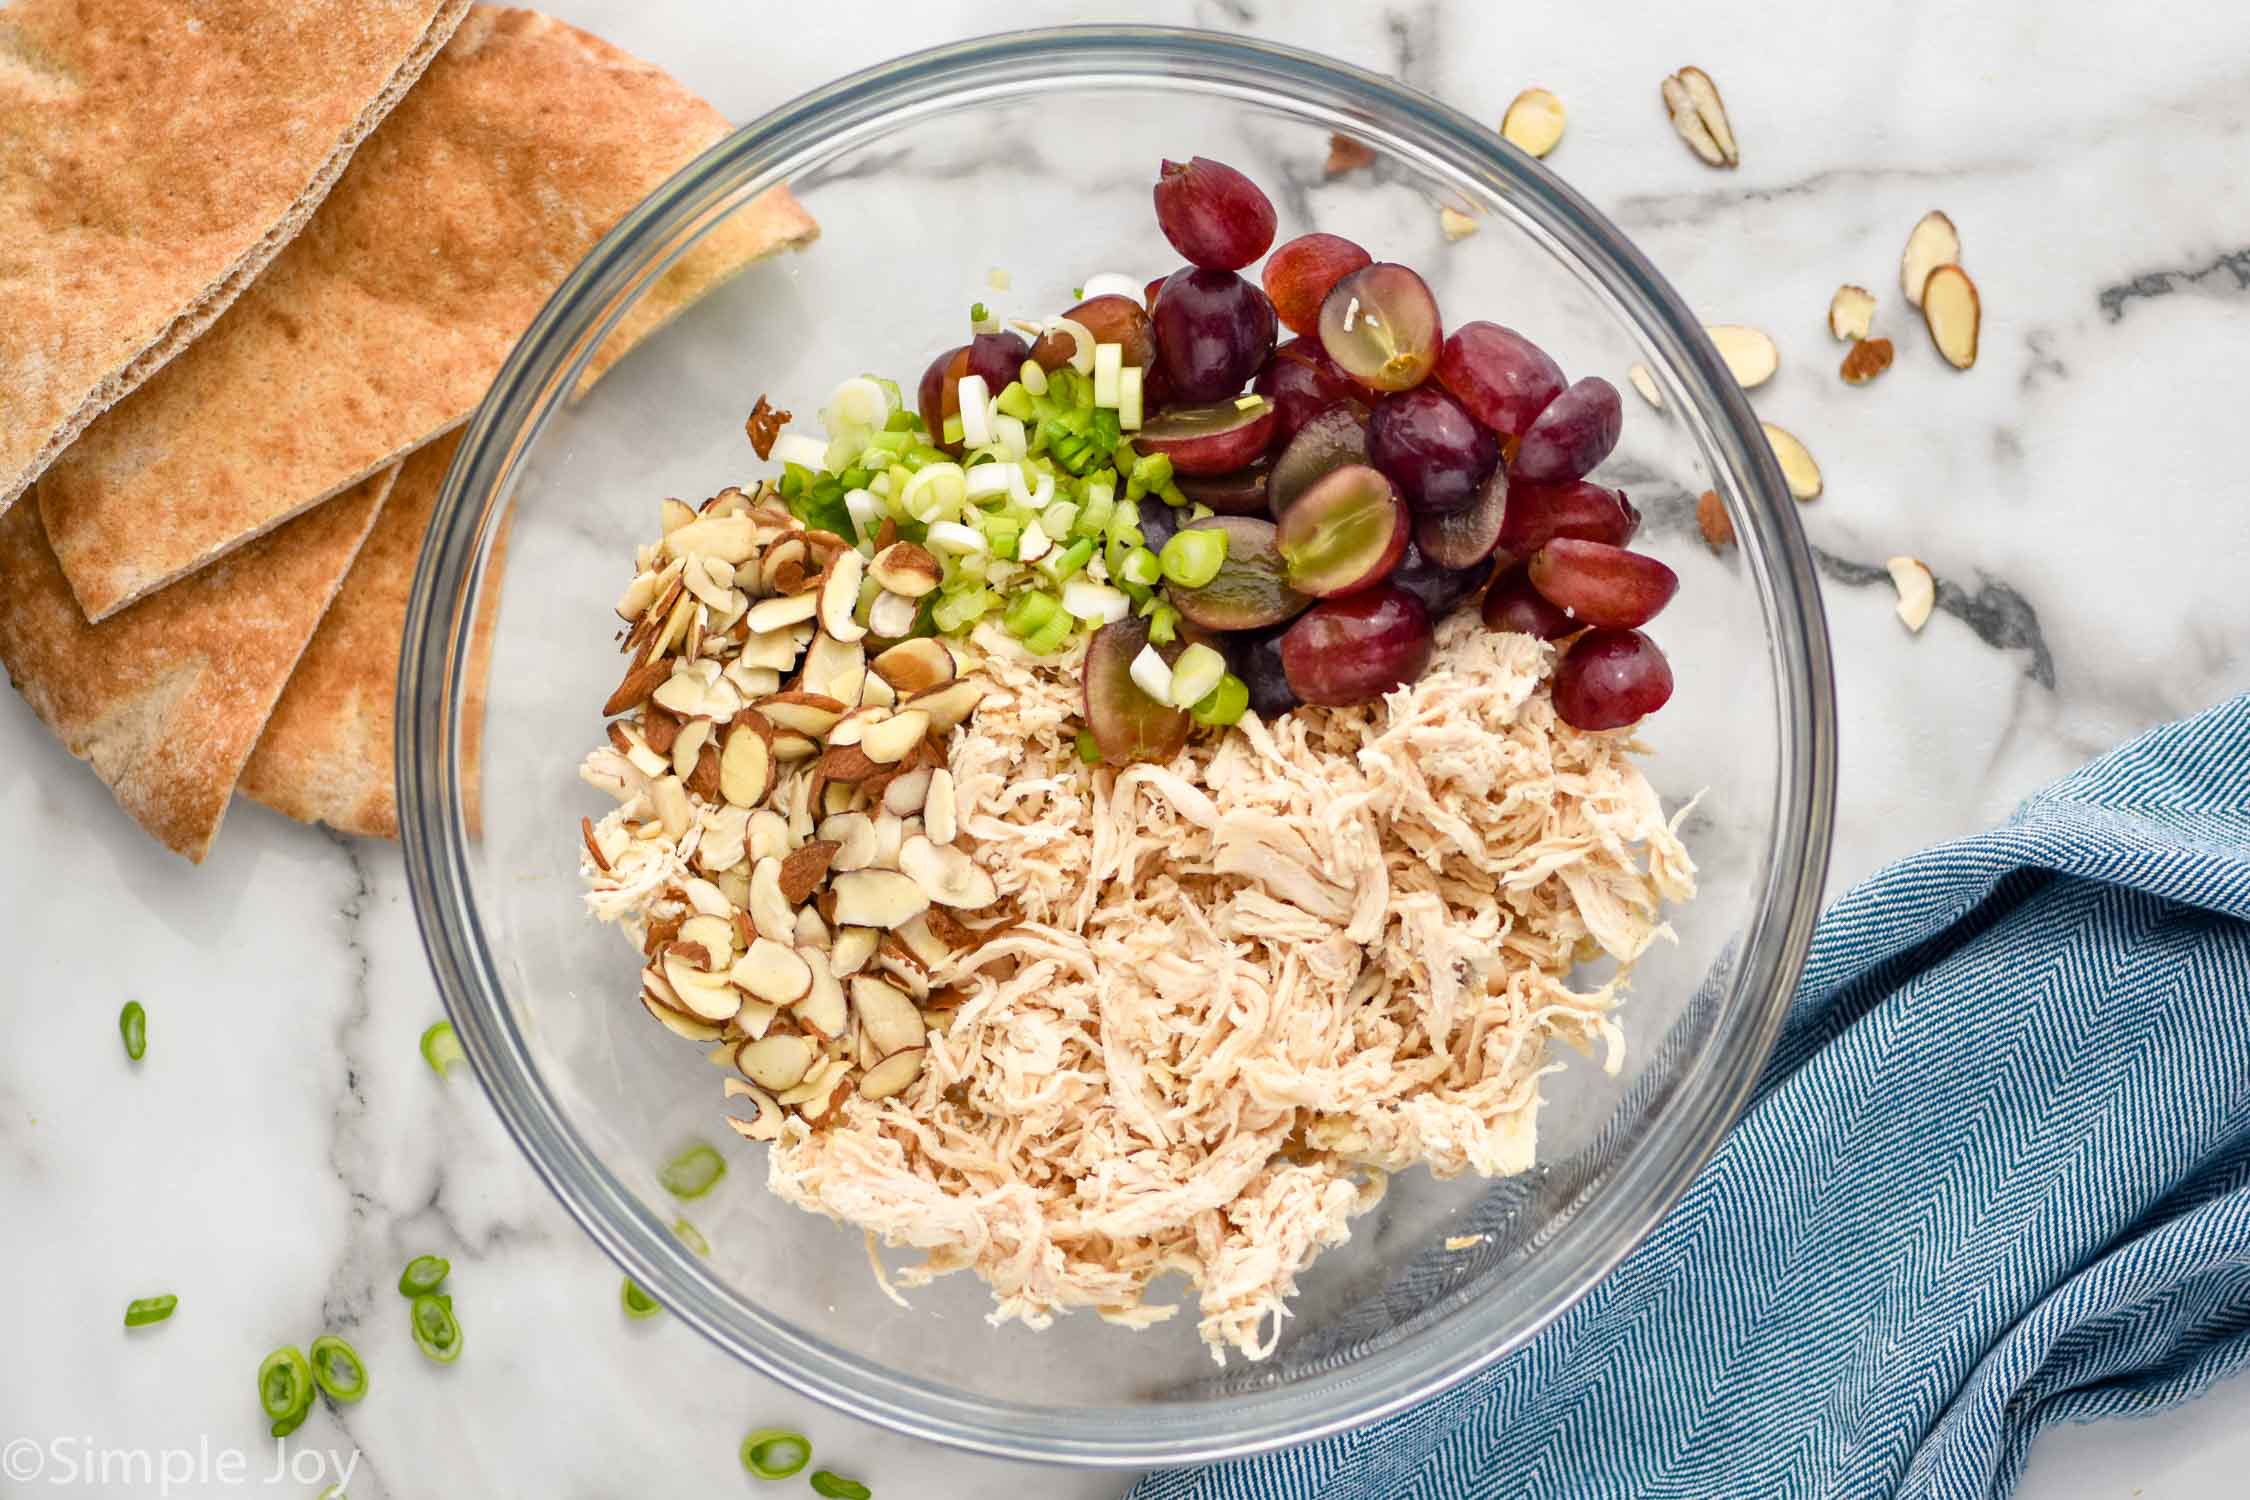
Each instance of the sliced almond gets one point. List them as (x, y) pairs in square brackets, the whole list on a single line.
[(731, 538), (864, 1053), (1953, 311), (735, 881), (768, 834), (675, 624), (876, 898), (811, 714), (777, 1062), (892, 1075), (811, 1097), (766, 1126), (714, 935), (639, 594), (706, 996), (897, 960), (892, 616), (804, 870), (1645, 383), (1866, 359), (679, 1022), (938, 810), (890, 832), (907, 792), (839, 596), (906, 569), (776, 650), (921, 938), (1797, 466), (755, 1018), (915, 666), (687, 744), (770, 911), (822, 1008), (782, 612), (847, 763), (1851, 312), (848, 729), (641, 679), (874, 692), (1533, 123), (812, 932), (946, 875), (1917, 590), (1712, 519), (853, 947), (1454, 224), (789, 746), (782, 569), (703, 781), (854, 835), (1932, 242), (745, 766), (950, 705), (834, 669), (707, 899), (669, 796), (887, 1018), (800, 809), (1700, 116), (838, 797), (772, 972), (1750, 355), (891, 740)]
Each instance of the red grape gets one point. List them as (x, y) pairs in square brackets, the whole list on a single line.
[(1345, 533), (1439, 587), (1357, 648), (1503, 378), (1256, 659), (1241, 493), (1302, 382), (1212, 214), (939, 396), (1336, 437), (1513, 604), (1380, 325), (1611, 678), (1158, 522), (1600, 584), (1538, 513), (1252, 588), (1214, 439), (1300, 274), (1127, 723), (1213, 331), (998, 357), (1573, 434), (1464, 538), (1148, 293), (1111, 320), (1433, 450)]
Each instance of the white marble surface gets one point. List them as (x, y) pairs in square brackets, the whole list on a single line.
[(282, 1150)]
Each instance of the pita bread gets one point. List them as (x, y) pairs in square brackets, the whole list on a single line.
[(153, 157), (382, 324), (167, 699)]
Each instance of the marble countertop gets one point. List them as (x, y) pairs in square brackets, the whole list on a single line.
[(283, 1149)]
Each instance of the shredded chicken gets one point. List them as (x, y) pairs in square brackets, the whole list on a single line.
[(1248, 984)]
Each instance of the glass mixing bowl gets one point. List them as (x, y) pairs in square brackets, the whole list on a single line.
[(1034, 153)]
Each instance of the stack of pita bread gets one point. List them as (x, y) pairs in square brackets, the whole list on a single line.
[(264, 256)]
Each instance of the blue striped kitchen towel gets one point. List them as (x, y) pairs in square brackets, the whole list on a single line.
[(1997, 1175)]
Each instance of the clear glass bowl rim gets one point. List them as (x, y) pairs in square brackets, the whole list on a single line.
[(1395, 119)]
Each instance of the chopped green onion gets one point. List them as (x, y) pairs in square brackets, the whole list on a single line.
[(1064, 565), (901, 421), (338, 1369), (836, 1487), (1089, 748), (953, 428), (694, 1171), (142, 1311), (1195, 675), (1226, 703), (436, 1333), (775, 1452), (890, 440), (953, 611), (1016, 401), (692, 1237), (1052, 636), (977, 312), (441, 1049), (1151, 471), (132, 1024), (1163, 622), (1140, 567), (1059, 519), (794, 478), (285, 1389), (1192, 559), (638, 1304), (1030, 612), (423, 1275), (1034, 378)]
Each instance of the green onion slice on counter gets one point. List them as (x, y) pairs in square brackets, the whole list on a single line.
[(775, 1452), (436, 1333), (338, 1369), (285, 1389), (423, 1275), (142, 1311), (638, 1304), (837, 1487), (132, 1024), (692, 1237), (693, 1172), (441, 1049)]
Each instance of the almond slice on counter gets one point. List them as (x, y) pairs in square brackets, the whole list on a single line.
[(1954, 313), (1866, 359), (1750, 355), (1851, 312), (1642, 381), (1454, 224), (1797, 466), (1931, 243), (1700, 116), (1712, 520), (1533, 122), (1917, 591)]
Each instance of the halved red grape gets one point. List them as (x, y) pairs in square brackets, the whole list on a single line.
[(1212, 214), (1300, 274), (1357, 648), (1432, 449), (1502, 378), (1611, 678), (1513, 604), (1302, 382), (1600, 584), (1110, 319), (1345, 533), (1148, 293), (1241, 493), (998, 357), (1213, 331), (1127, 723), (1217, 438), (939, 396), (1573, 434), (1252, 587), (1440, 588), (1158, 521), (1380, 325), (1466, 537), (1338, 436), (1255, 657), (1538, 513)]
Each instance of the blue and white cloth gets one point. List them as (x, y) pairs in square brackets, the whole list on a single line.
[(1996, 1176)]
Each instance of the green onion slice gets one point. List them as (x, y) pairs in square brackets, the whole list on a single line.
[(693, 1172), (837, 1487), (1224, 704), (132, 1024), (285, 1388), (692, 1237), (1192, 559), (776, 1452), (423, 1275), (441, 1049), (638, 1304), (142, 1311), (436, 1333), (338, 1369), (1089, 748)]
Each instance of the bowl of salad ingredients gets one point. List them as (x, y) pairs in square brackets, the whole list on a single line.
[(1124, 816)]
